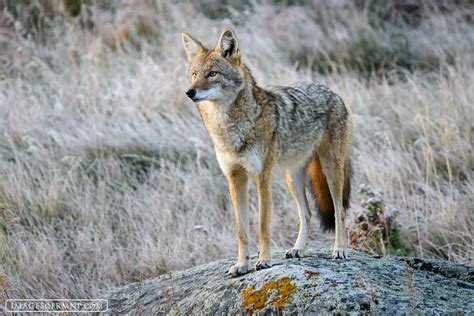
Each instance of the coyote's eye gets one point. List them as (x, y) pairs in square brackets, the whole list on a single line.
[(194, 74), (212, 74)]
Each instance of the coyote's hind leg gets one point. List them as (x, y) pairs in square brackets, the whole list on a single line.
[(296, 183), (333, 166)]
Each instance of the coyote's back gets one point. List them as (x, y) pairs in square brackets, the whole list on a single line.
[(305, 112)]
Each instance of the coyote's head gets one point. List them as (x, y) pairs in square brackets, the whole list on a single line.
[(215, 74)]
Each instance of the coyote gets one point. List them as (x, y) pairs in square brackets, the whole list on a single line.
[(305, 127)]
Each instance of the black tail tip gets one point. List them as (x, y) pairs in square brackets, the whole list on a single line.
[(347, 185), (328, 221)]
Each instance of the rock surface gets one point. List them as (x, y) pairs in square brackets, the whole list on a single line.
[(314, 284)]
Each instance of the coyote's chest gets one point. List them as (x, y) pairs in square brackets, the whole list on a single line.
[(251, 160), (234, 143)]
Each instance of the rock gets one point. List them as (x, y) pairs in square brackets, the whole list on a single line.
[(314, 284)]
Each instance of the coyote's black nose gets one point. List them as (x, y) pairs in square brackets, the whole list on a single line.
[(191, 93)]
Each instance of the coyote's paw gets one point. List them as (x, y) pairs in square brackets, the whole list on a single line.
[(339, 253), (263, 264), (238, 269), (294, 253)]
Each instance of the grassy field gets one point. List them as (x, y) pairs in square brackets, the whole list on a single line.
[(108, 176)]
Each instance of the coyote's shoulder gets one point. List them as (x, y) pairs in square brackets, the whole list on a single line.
[(304, 126)]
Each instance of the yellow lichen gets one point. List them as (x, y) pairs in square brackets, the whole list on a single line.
[(278, 291)]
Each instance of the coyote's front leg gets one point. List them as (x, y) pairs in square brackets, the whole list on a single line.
[(239, 195), (264, 212)]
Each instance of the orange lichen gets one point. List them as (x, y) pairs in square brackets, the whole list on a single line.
[(278, 292), (334, 284)]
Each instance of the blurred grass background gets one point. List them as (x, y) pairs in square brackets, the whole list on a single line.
[(108, 176)]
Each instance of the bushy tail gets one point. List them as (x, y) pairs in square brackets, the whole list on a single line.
[(322, 195)]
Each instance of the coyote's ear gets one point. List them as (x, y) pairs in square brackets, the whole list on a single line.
[(191, 45), (228, 44)]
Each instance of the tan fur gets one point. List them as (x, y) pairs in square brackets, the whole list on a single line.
[(239, 195)]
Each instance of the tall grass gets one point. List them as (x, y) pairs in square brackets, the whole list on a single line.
[(108, 176)]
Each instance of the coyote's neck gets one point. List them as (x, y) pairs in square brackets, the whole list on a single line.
[(232, 126)]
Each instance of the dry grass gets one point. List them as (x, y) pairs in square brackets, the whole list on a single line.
[(107, 175)]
